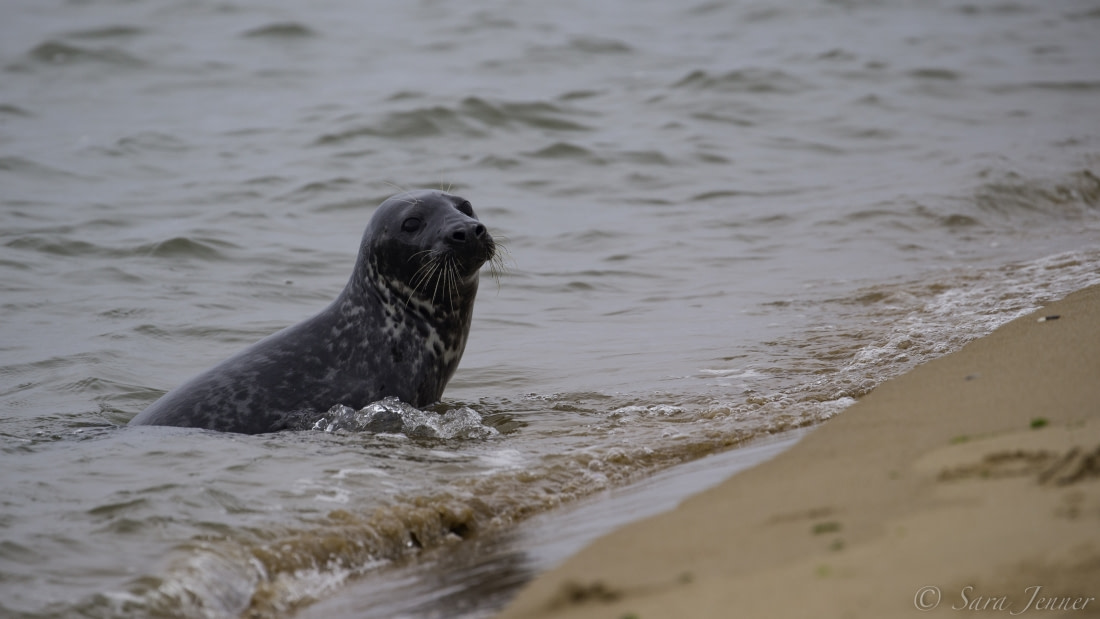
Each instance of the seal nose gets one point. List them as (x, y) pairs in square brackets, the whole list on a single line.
[(466, 231)]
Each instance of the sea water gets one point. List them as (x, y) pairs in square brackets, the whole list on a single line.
[(723, 221)]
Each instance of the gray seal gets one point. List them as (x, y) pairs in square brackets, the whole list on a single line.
[(398, 329)]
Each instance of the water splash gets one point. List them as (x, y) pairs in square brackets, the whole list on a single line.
[(392, 416)]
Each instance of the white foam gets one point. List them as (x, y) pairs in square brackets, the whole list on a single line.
[(392, 416)]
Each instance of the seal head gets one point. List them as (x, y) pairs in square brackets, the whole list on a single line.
[(398, 328)]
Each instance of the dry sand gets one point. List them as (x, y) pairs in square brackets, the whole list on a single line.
[(968, 487)]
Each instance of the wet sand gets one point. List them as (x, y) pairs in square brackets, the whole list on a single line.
[(969, 485)]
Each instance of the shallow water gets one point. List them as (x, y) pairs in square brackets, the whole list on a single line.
[(724, 221), (476, 578)]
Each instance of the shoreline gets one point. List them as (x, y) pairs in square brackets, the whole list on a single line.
[(486, 573), (971, 483)]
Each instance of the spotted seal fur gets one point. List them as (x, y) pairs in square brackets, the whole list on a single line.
[(398, 329)]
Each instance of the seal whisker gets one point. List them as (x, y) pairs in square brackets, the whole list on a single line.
[(423, 274), (417, 255), (498, 260), (439, 278), (428, 270), (446, 277), (452, 281), (418, 276), (411, 199)]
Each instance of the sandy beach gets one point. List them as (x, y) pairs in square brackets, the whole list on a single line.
[(968, 487)]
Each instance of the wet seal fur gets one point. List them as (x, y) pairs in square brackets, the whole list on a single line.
[(398, 329)]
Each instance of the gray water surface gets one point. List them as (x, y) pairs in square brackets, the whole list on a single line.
[(724, 221)]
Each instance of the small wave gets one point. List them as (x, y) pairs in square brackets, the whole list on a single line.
[(1072, 86), (721, 194), (392, 416), (473, 117), (152, 141), (311, 191), (932, 73), (1071, 197), (1086, 14), (573, 95), (23, 166), (106, 32), (957, 220), (576, 50), (645, 157), (566, 150), (14, 110), (751, 80), (598, 45), (283, 30), (724, 118), (184, 247), (499, 163), (995, 8), (907, 324), (141, 144), (418, 123), (536, 114), (1000, 201), (59, 53), (59, 246)]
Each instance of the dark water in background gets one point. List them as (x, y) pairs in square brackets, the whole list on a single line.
[(725, 220)]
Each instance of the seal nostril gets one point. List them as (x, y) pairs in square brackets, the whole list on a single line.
[(467, 231)]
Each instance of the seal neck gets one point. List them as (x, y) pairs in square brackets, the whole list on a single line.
[(441, 308)]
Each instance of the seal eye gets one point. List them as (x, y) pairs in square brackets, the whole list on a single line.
[(466, 208), (411, 224)]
